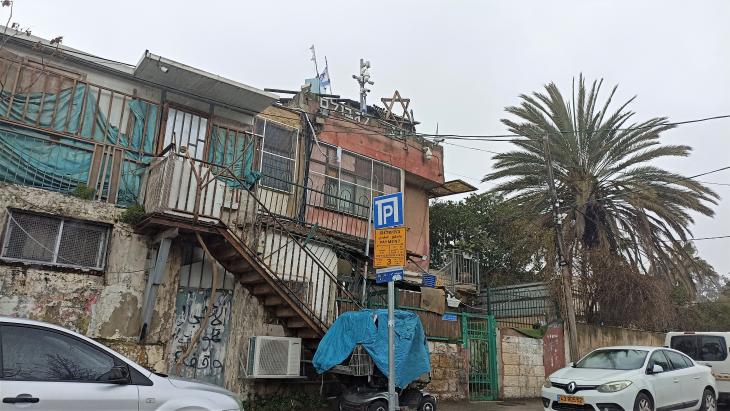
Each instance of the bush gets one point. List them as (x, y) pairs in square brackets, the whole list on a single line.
[(83, 192), (133, 214), (293, 401)]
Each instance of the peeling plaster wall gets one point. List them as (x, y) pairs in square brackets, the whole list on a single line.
[(105, 306)]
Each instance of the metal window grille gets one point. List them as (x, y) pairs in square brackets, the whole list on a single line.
[(350, 180), (279, 153), (44, 239)]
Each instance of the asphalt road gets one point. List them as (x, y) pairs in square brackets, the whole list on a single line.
[(512, 405)]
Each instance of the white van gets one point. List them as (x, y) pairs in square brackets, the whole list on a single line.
[(708, 348)]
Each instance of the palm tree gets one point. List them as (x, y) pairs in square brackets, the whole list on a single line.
[(614, 201)]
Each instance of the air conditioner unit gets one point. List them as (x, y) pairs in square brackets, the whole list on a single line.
[(273, 357)]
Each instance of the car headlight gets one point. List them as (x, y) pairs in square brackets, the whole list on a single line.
[(614, 386), (547, 383)]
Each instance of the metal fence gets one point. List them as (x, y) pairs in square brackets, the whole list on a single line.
[(520, 306)]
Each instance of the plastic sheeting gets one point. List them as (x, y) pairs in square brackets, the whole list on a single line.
[(370, 328), (227, 149), (29, 157)]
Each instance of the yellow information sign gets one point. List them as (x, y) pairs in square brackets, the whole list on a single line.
[(390, 247)]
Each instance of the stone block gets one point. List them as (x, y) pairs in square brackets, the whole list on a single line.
[(511, 369), (509, 348), (511, 381), (510, 359), (511, 392)]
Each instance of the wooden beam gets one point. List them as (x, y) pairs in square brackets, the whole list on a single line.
[(273, 300)]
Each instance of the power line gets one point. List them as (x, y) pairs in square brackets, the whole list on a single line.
[(482, 136)]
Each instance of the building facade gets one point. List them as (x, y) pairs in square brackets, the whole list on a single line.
[(173, 214)]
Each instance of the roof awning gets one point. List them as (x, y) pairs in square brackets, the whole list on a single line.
[(201, 84), (450, 188)]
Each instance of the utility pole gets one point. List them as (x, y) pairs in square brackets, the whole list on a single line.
[(564, 266), (364, 79)]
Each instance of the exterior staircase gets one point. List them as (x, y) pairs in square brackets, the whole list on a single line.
[(292, 274)]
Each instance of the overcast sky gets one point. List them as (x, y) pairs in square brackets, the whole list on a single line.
[(460, 62)]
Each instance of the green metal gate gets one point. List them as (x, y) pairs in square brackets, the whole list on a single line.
[(480, 340)]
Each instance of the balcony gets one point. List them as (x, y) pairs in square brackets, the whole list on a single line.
[(460, 272)]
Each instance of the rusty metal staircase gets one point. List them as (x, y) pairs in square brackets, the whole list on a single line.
[(291, 272)]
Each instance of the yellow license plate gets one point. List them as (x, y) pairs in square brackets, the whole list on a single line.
[(570, 399)]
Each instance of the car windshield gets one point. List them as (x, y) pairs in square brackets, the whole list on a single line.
[(619, 359)]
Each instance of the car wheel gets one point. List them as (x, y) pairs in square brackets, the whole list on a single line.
[(378, 405), (708, 401), (429, 404), (643, 403)]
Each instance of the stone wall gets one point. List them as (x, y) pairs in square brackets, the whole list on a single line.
[(449, 371), (521, 365), (592, 336)]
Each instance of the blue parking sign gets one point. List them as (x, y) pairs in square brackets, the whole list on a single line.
[(388, 211), (386, 275)]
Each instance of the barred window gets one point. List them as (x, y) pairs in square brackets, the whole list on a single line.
[(349, 181), (278, 159), (43, 239)]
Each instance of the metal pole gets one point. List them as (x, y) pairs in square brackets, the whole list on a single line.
[(564, 266), (392, 398), (367, 256)]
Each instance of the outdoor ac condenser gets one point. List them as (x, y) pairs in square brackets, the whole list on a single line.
[(273, 357)]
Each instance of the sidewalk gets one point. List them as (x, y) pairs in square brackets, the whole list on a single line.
[(511, 405)]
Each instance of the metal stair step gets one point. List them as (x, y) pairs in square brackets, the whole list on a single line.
[(273, 300)]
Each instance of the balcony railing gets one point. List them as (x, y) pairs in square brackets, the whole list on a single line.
[(60, 131), (460, 271)]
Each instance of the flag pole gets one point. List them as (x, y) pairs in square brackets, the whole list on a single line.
[(329, 77), (316, 69)]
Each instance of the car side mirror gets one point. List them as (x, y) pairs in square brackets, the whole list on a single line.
[(119, 374), (656, 369), (571, 364)]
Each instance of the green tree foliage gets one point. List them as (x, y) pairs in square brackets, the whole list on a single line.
[(617, 203), (509, 245)]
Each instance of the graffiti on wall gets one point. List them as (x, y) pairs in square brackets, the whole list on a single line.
[(206, 361), (343, 110)]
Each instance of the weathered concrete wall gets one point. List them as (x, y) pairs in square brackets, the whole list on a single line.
[(591, 337), (104, 306), (521, 365), (449, 371)]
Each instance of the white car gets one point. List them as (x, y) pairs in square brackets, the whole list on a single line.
[(631, 378), (46, 367)]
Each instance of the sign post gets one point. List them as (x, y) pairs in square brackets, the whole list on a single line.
[(390, 251)]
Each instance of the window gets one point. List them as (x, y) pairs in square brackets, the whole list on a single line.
[(51, 240), (613, 360), (278, 159), (186, 130), (712, 348), (658, 358), (687, 344), (701, 347), (349, 181), (52, 356), (677, 360)]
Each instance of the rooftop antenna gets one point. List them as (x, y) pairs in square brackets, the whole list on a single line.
[(364, 79)]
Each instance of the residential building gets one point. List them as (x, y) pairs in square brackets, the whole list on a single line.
[(255, 217)]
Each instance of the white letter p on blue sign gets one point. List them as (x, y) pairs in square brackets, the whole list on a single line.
[(388, 211)]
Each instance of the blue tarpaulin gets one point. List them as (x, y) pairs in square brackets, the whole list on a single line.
[(370, 328), (30, 157)]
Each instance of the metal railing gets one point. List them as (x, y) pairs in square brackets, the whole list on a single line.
[(460, 271), (520, 306), (313, 204), (302, 264)]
